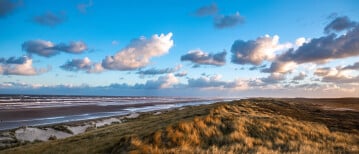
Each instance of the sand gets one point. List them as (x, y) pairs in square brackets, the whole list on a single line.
[(105, 122), (133, 115), (78, 129), (157, 113), (31, 134)]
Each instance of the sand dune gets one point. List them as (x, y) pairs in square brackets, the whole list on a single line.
[(246, 126)]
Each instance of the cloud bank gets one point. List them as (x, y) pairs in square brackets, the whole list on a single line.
[(162, 82), (286, 57), (215, 82)]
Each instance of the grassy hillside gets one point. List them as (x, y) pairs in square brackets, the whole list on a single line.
[(254, 125)]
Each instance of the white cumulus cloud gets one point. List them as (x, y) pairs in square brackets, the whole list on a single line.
[(24, 68), (139, 52), (256, 51)]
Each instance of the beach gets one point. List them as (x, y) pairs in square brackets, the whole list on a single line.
[(42, 118), (17, 111)]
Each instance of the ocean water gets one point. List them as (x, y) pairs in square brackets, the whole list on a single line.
[(15, 105)]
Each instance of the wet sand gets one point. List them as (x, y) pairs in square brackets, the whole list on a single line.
[(36, 113), (14, 118)]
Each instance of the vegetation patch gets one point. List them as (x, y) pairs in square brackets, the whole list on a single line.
[(245, 126)]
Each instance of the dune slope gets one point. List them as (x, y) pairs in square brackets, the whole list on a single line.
[(252, 125)]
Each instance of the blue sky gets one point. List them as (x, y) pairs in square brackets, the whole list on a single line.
[(200, 48)]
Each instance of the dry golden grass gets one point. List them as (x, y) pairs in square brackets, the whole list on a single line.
[(238, 129), (246, 126)]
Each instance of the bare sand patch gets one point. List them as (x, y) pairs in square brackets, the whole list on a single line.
[(32, 134), (105, 122), (157, 113), (78, 129), (133, 115)]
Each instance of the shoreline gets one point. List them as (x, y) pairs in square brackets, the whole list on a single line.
[(46, 132), (15, 118)]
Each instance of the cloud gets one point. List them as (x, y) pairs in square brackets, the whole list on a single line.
[(114, 42), (96, 68), (258, 67), (82, 7), (273, 78), (207, 10), (300, 76), (72, 47), (20, 66), (162, 82), (15, 85), (336, 75), (139, 52), (224, 21), (326, 71), (8, 6), (82, 65), (355, 66), (118, 89), (40, 47), (14, 60), (181, 74), (339, 24), (154, 71), (280, 67), (48, 48), (77, 64), (200, 57), (50, 19), (256, 51), (323, 49), (215, 82), (206, 82), (317, 50), (300, 41), (309, 86)]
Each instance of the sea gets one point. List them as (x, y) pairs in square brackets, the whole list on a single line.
[(35, 110)]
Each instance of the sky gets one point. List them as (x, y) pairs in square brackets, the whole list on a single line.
[(232, 48)]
